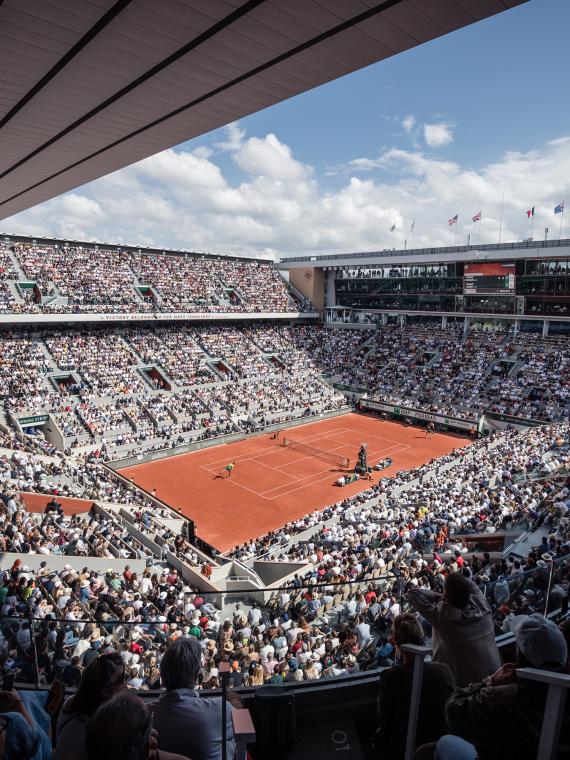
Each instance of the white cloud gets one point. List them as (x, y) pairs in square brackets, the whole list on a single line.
[(437, 135), (268, 157), (235, 135), (408, 123), (277, 206), (203, 152)]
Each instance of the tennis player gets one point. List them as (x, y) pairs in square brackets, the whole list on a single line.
[(429, 430), (228, 468)]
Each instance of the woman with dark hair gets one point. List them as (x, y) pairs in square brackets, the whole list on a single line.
[(101, 680), (122, 729)]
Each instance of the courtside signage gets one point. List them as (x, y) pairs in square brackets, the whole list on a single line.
[(33, 420), (404, 411)]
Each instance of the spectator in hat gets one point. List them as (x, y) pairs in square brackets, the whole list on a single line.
[(463, 630), (502, 714), (396, 690), (181, 707)]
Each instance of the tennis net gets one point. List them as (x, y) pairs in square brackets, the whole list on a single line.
[(328, 456)]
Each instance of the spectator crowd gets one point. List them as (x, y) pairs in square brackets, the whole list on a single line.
[(142, 388), (63, 278)]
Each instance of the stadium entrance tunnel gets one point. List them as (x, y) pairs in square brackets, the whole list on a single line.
[(147, 293), (156, 378), (68, 382), (221, 368), (275, 361)]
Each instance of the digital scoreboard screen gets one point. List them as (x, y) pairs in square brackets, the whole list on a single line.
[(488, 278)]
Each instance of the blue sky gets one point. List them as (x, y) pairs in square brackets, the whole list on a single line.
[(335, 168), (502, 81)]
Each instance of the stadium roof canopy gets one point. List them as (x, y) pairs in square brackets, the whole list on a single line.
[(90, 86)]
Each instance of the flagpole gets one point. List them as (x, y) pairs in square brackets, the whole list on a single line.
[(479, 233), (501, 223), (456, 226), (561, 220)]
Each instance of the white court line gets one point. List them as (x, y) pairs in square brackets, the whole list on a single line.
[(235, 483), (262, 493), (249, 459), (271, 498), (291, 490), (311, 457), (398, 446), (375, 454), (266, 451), (311, 478)]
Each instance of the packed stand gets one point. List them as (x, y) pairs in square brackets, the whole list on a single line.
[(176, 350), (464, 374), (76, 279)]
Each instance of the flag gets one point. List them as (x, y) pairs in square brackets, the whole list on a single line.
[(477, 217), (530, 212), (453, 220), (559, 209), (412, 225), (392, 228)]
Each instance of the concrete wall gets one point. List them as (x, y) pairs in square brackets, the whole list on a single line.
[(273, 572), (53, 434), (57, 562), (144, 538), (191, 574), (311, 283), (43, 320)]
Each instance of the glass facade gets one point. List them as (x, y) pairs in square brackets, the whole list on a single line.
[(542, 288)]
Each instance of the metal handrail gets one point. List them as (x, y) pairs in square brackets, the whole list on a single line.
[(429, 251), (558, 684)]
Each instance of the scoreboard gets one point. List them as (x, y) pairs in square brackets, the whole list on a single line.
[(489, 278)]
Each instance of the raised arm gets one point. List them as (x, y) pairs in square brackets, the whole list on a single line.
[(424, 601)]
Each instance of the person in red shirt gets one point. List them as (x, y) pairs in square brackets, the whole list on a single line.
[(206, 570), (370, 595), (298, 644)]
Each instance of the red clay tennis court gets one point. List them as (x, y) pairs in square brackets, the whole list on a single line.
[(272, 484)]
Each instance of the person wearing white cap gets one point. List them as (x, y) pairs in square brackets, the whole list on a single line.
[(502, 715)]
